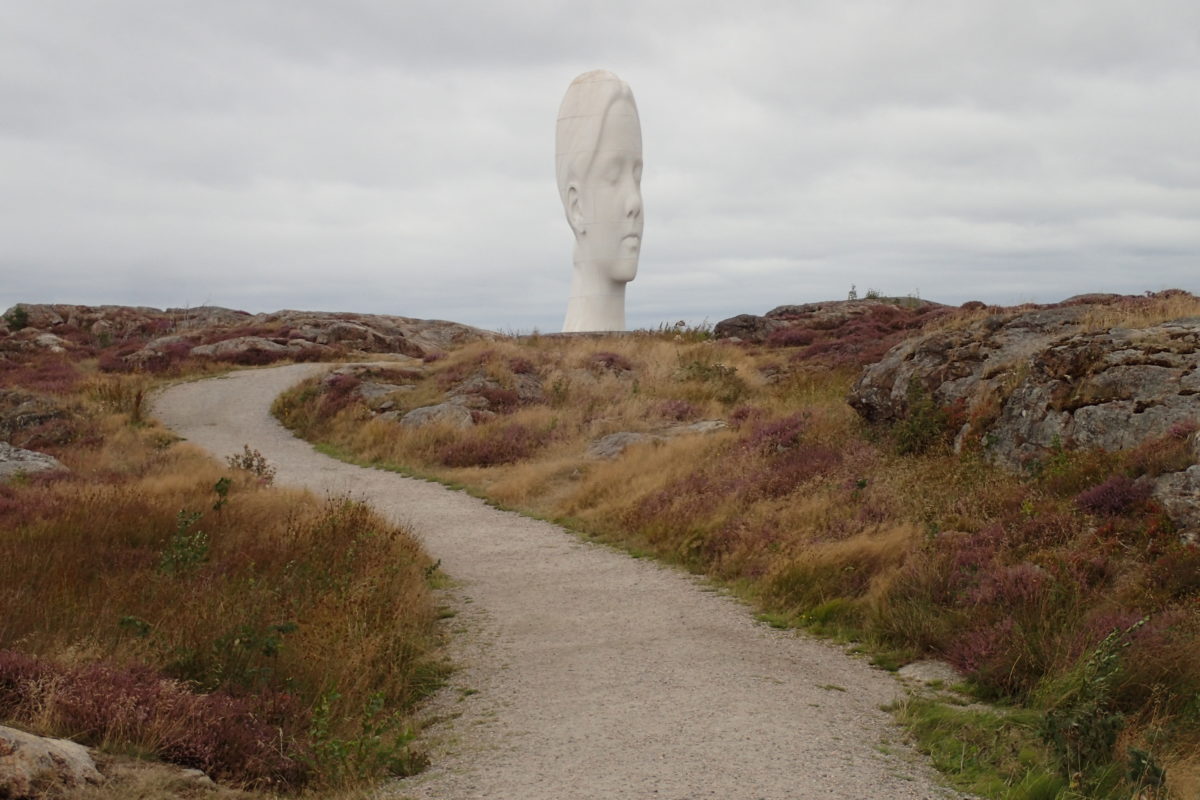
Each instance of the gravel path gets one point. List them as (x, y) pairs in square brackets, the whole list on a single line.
[(587, 673)]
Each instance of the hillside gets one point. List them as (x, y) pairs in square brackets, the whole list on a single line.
[(1064, 580)]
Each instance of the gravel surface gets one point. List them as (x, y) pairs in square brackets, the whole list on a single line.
[(585, 673)]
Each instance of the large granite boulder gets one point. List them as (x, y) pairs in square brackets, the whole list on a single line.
[(32, 766), (230, 349), (17, 461), (614, 444), (22, 411), (451, 413)]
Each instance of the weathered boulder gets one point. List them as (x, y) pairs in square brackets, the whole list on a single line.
[(33, 766), (17, 461), (481, 390), (1035, 380), (161, 349), (747, 327), (48, 341), (240, 347), (378, 395), (1112, 390), (449, 413), (1179, 494), (27, 419), (614, 444)]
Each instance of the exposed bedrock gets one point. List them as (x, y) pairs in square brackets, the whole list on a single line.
[(1028, 382)]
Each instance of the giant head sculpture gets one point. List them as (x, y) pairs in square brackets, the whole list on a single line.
[(598, 162)]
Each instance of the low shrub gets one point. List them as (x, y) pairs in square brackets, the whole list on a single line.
[(1117, 495), (791, 337), (613, 362), (494, 445), (924, 425), (338, 392), (252, 740), (678, 410), (500, 400)]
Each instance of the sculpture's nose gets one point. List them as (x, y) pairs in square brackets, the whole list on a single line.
[(633, 205)]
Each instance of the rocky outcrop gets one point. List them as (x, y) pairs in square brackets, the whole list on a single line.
[(826, 315), (1112, 390), (455, 414), (966, 364), (836, 333), (17, 461), (1023, 383), (32, 766)]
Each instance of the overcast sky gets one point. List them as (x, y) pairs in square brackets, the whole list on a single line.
[(397, 156)]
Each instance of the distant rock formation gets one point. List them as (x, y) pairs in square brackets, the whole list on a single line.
[(148, 338)]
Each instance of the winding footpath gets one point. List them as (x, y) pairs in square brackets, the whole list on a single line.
[(585, 673)]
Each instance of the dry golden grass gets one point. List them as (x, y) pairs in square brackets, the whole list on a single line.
[(1142, 312), (148, 555)]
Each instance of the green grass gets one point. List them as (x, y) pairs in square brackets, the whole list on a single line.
[(997, 754)]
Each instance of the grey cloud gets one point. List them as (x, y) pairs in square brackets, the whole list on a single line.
[(397, 156)]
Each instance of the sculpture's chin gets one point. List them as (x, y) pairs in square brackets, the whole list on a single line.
[(624, 271)]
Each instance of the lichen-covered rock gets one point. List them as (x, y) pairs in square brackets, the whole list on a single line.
[(961, 365), (21, 411), (1112, 390), (747, 327), (1179, 494), (1024, 383), (614, 444), (242, 345), (449, 413), (17, 461), (32, 766), (481, 390)]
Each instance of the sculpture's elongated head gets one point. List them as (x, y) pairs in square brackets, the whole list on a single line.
[(598, 163)]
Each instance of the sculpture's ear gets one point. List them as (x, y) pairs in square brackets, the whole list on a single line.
[(574, 209)]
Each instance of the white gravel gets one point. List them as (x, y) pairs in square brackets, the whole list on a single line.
[(586, 673)]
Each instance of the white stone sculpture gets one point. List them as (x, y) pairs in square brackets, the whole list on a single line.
[(598, 163)]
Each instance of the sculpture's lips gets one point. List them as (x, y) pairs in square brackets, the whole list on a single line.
[(632, 238)]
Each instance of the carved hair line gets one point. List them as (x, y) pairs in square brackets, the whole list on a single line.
[(579, 127)]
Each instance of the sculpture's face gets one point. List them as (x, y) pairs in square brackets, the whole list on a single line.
[(611, 197)]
